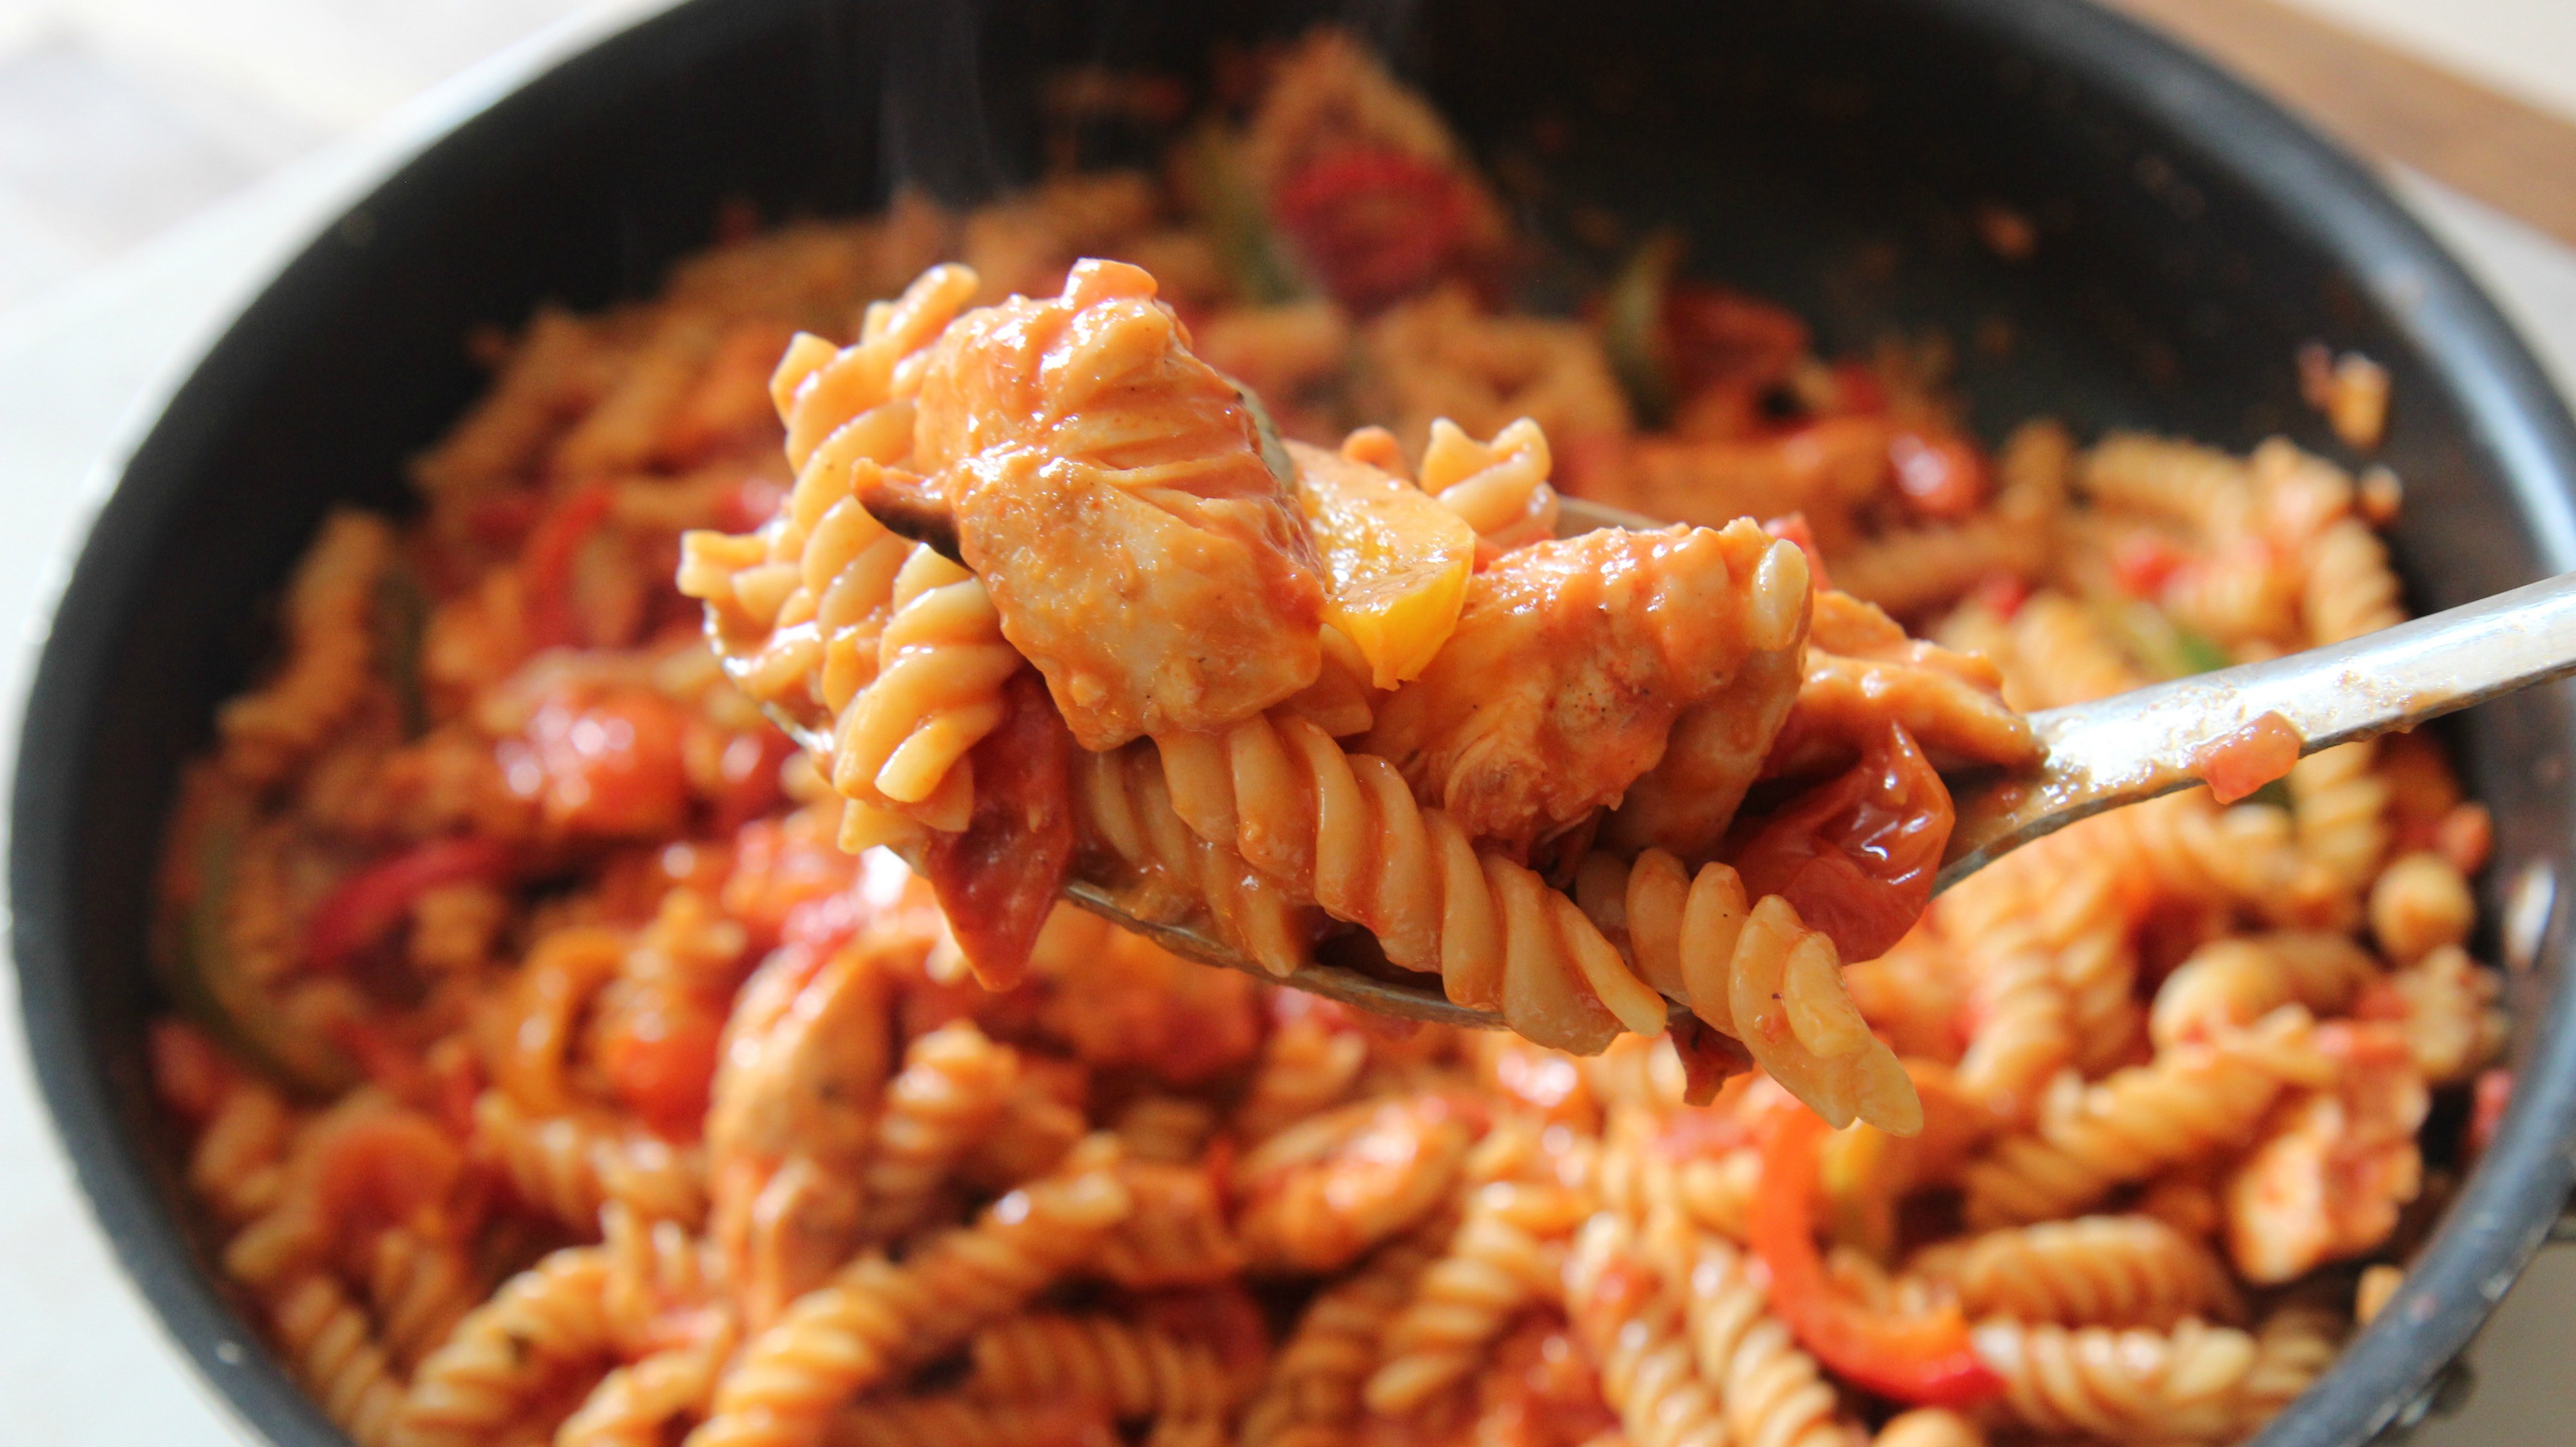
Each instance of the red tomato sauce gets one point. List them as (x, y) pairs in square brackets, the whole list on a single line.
[(2249, 758)]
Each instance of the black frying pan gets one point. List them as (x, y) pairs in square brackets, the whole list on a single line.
[(1835, 154)]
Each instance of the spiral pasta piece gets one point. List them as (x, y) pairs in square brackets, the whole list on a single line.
[(875, 1318), (334, 1353), (952, 1088), (2195, 1383), (2116, 1271), (1305, 1067), (2067, 904), (654, 1267), (329, 649), (1177, 875), (1179, 1233), (2233, 982), (1032, 1133), (2241, 595), (2186, 848), (2421, 903), (1318, 1195), (2022, 1031), (1344, 830), (545, 1321), (1772, 1392), (2137, 1121), (2201, 488), (2341, 806), (2350, 588), (1507, 1253), (2294, 1346), (801, 609), (1498, 487), (237, 1161), (957, 1421), (634, 1405), (936, 694), (1637, 1335), (2452, 1026), (1312, 1388), (419, 1286), (570, 1164), (1757, 973), (796, 607), (1134, 1371)]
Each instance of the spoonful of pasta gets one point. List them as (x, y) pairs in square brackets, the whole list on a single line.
[(1064, 617)]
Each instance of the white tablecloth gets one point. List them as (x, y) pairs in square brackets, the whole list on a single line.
[(82, 1364)]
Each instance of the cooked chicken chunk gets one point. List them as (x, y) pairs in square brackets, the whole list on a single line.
[(1110, 489), (1570, 663), (1863, 670)]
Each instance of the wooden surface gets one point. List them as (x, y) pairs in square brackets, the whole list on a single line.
[(2390, 105)]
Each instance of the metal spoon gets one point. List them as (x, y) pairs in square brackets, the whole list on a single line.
[(2101, 755)]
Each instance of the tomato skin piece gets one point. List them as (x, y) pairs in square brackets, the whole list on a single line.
[(1856, 855), (373, 900), (611, 767), (997, 879), (1720, 337), (750, 788), (1374, 224), (1941, 476), (660, 1060), (1927, 1360), (777, 868)]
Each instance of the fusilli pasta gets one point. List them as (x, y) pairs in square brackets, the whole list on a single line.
[(513, 928)]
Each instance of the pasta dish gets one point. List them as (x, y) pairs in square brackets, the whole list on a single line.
[(564, 1055)]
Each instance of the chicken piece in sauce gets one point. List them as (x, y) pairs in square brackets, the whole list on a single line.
[(1570, 663), (1110, 488)]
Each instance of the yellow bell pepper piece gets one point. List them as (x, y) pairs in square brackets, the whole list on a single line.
[(1396, 562)]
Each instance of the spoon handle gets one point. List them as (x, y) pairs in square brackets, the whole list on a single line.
[(2138, 745)]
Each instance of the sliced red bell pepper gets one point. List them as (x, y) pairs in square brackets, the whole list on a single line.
[(546, 564), (374, 900), (997, 880), (1926, 1359)]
